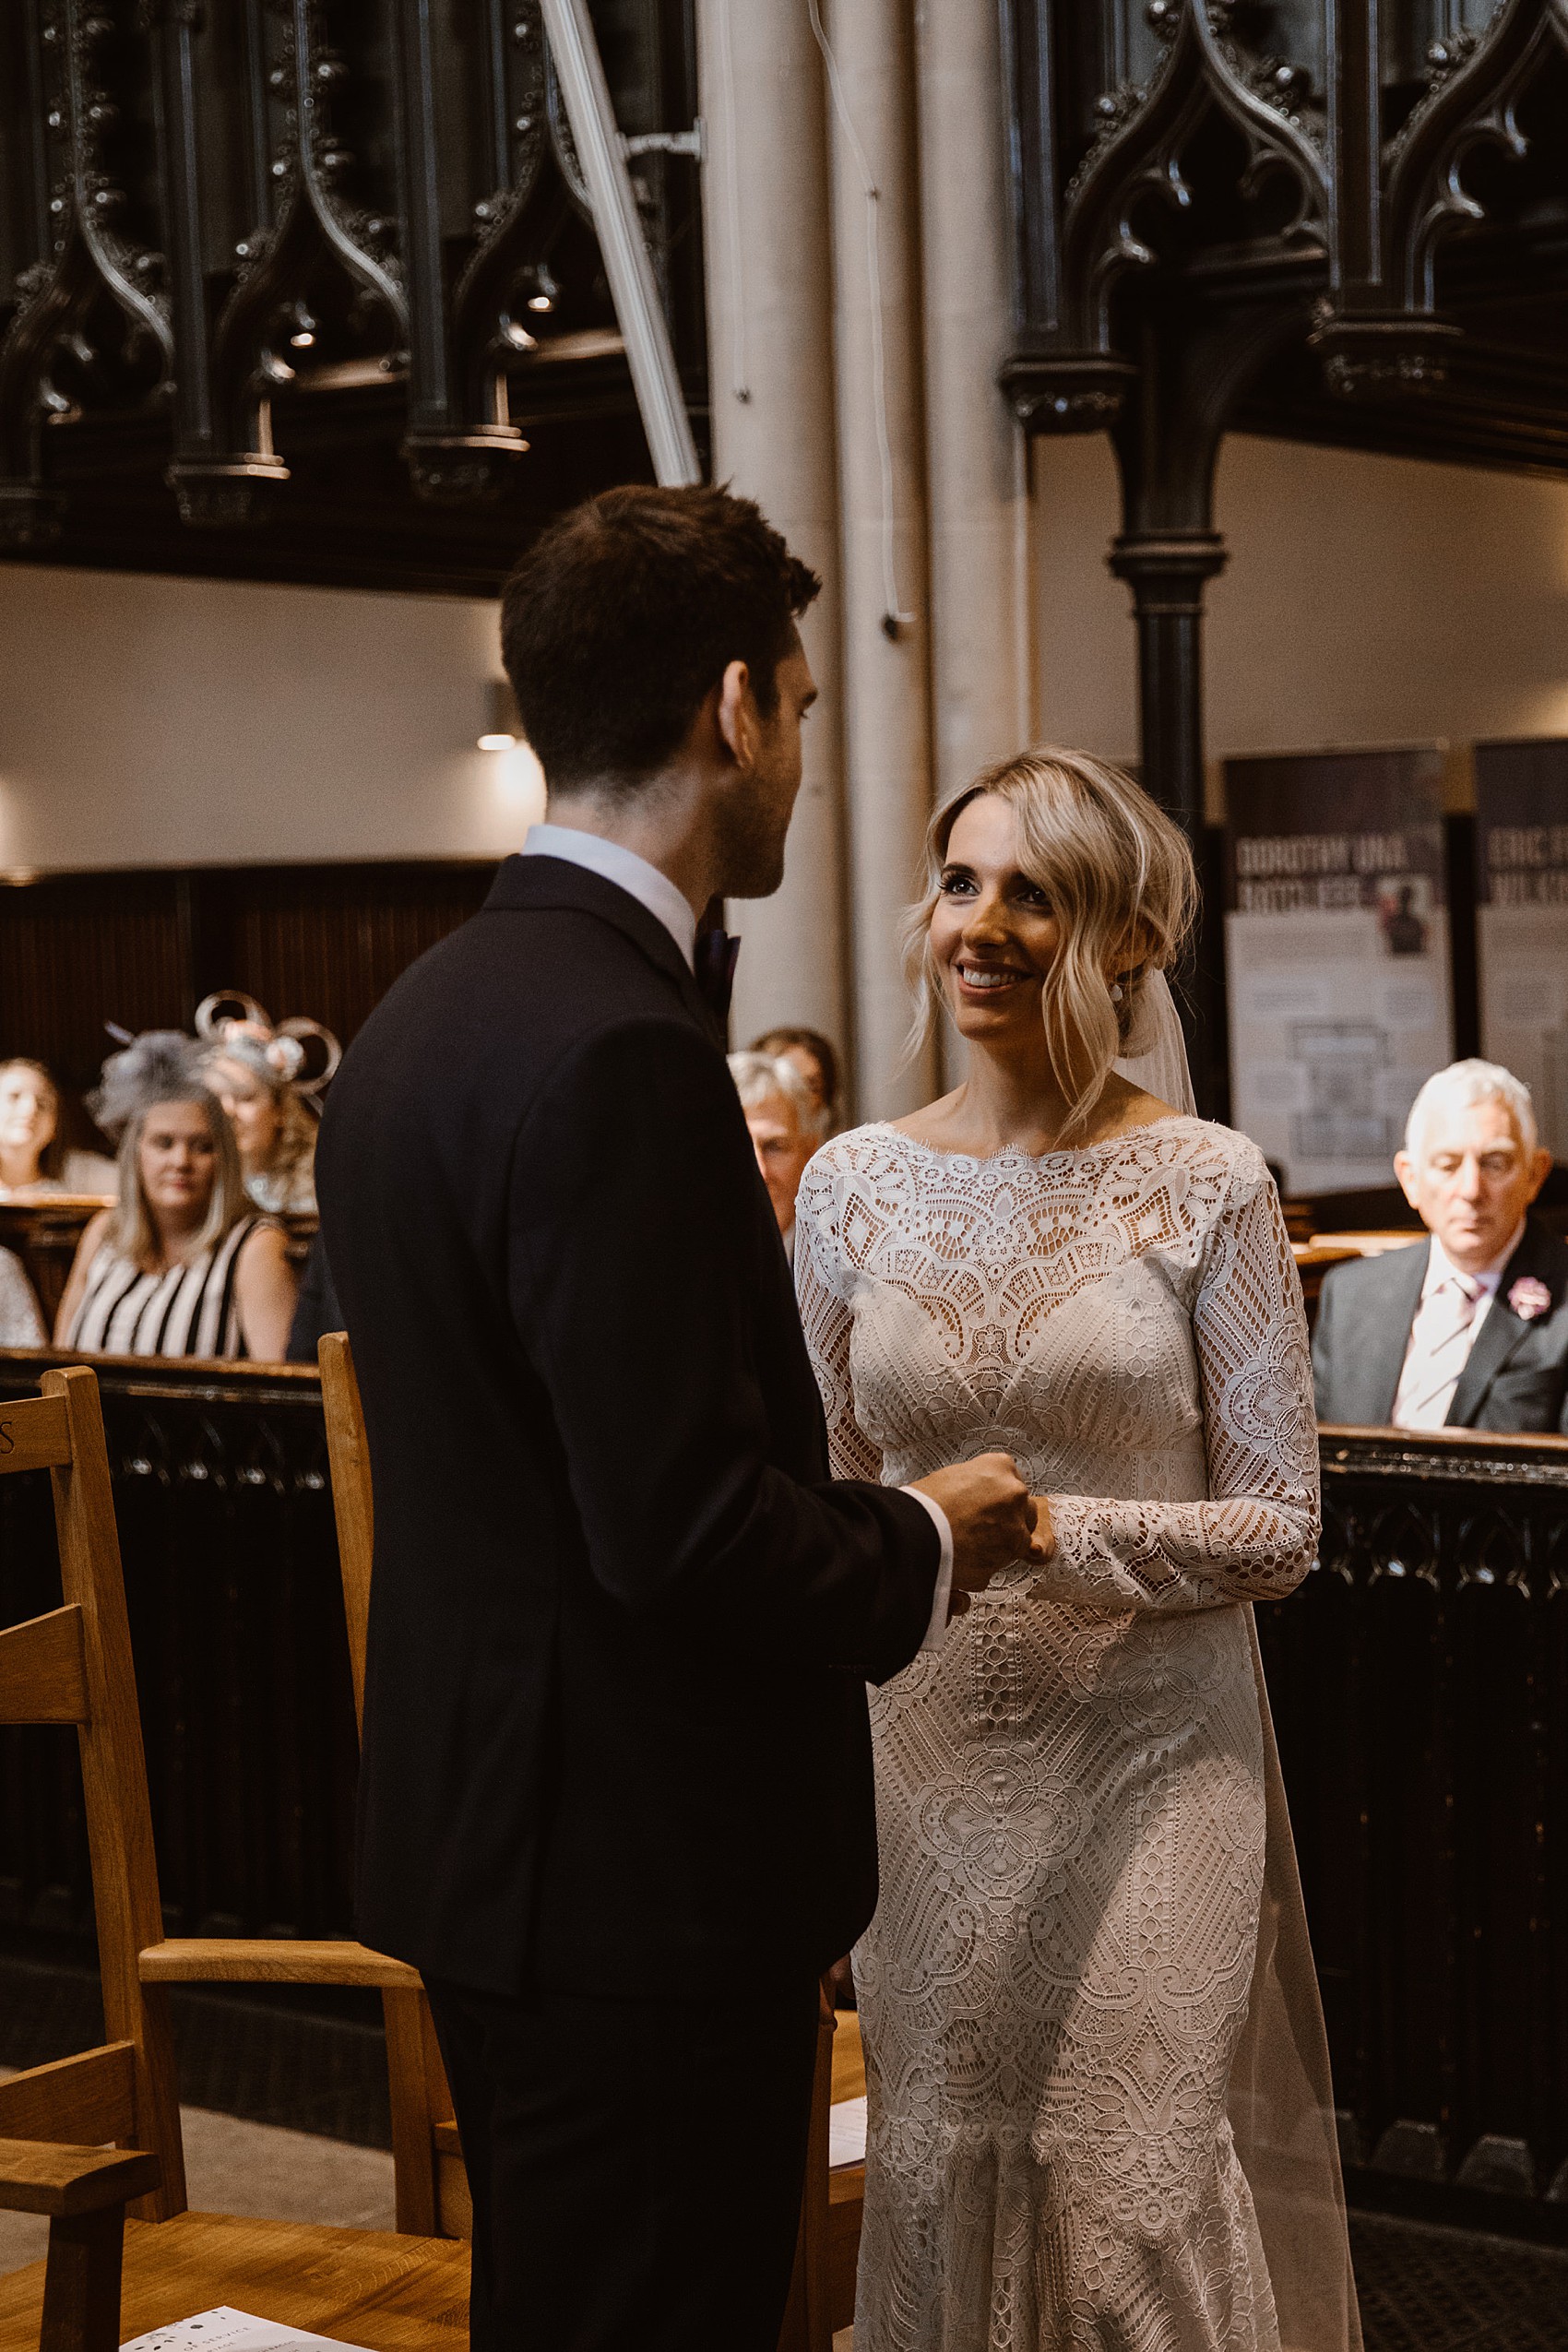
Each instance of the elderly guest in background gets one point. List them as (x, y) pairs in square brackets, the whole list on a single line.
[(275, 1131), (181, 1265), (1471, 1331), (786, 1124), (813, 1056)]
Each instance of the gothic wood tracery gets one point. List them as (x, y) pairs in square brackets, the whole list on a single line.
[(243, 227), (1338, 220)]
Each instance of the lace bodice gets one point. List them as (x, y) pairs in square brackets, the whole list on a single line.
[(1124, 1319), (1071, 1806)]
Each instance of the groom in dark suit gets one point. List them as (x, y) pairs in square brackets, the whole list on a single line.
[(615, 1798), (1470, 1330)]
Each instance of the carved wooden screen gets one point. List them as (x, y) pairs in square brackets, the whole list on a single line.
[(326, 264)]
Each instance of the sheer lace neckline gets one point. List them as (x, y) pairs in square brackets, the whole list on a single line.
[(1035, 1158)]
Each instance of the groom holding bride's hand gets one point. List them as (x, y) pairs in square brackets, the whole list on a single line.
[(615, 1738)]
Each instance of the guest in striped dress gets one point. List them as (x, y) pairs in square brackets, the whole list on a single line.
[(181, 1265)]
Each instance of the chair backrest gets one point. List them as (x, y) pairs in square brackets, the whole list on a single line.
[(353, 1505), (433, 2185), (74, 1666)]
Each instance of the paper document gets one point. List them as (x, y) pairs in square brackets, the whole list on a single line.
[(846, 2132), (221, 2330)]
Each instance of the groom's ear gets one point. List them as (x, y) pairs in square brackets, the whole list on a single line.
[(735, 715)]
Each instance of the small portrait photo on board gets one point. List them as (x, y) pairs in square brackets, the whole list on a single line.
[(1404, 905)]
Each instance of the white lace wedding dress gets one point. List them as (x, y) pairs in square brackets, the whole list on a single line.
[(1071, 1792)]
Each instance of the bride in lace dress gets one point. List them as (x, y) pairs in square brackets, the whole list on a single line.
[(1098, 2112)]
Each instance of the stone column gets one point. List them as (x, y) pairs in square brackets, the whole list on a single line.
[(981, 599), (975, 456), (888, 720), (770, 343)]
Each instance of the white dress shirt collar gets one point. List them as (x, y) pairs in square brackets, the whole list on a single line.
[(1440, 1265), (627, 870)]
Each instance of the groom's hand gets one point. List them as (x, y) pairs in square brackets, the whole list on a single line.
[(991, 1513)]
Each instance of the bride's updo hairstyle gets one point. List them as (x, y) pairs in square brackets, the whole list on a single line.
[(1119, 875)]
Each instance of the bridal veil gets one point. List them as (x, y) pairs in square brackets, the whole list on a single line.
[(1281, 2102)]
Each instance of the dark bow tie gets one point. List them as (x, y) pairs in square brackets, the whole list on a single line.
[(714, 958)]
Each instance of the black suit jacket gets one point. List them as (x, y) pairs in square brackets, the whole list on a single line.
[(1515, 1377), (615, 1726)]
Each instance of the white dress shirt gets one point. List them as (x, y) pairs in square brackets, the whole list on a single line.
[(1442, 1333), (627, 870), (655, 891)]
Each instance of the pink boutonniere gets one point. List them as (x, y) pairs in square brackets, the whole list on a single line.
[(1528, 1298)]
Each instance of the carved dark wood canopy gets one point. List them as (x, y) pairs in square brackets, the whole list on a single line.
[(309, 288), (1358, 208), (1341, 220)]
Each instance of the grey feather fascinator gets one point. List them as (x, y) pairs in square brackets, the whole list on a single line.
[(154, 1068)]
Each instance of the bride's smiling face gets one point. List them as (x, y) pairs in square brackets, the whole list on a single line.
[(993, 932)]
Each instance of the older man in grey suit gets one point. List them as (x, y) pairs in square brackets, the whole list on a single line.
[(1470, 1330)]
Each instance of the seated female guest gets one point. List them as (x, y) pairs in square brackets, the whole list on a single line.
[(180, 1266), (29, 1163), (30, 1131), (21, 1326), (252, 1077)]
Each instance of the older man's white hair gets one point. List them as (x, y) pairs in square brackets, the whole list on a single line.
[(1459, 1087), (758, 1076)]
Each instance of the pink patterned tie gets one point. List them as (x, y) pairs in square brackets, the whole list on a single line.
[(1440, 1342)]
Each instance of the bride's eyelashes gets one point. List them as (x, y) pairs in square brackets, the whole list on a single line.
[(959, 882)]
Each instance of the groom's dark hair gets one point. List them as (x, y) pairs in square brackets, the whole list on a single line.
[(627, 612)]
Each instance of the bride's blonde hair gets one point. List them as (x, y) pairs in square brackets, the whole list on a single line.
[(1119, 875)]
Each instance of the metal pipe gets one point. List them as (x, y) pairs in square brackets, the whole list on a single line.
[(621, 241)]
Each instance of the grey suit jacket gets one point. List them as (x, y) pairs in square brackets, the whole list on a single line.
[(1516, 1375)]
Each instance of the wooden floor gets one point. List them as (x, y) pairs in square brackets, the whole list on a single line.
[(367, 2288)]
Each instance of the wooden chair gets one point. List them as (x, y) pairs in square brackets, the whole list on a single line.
[(74, 1666), (424, 2130), (817, 2289)]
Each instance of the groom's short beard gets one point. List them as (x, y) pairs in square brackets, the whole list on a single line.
[(751, 847)]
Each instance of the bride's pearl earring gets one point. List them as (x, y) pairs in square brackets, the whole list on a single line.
[(1116, 991)]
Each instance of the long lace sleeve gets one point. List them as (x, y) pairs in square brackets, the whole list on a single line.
[(821, 1289), (1256, 1537)]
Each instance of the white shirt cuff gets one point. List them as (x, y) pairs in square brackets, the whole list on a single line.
[(936, 1630)]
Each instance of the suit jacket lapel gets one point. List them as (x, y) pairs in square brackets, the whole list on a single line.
[(524, 883), (1500, 1334), (1383, 1351)]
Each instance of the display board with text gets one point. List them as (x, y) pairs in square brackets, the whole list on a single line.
[(1522, 921), (1337, 949)]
